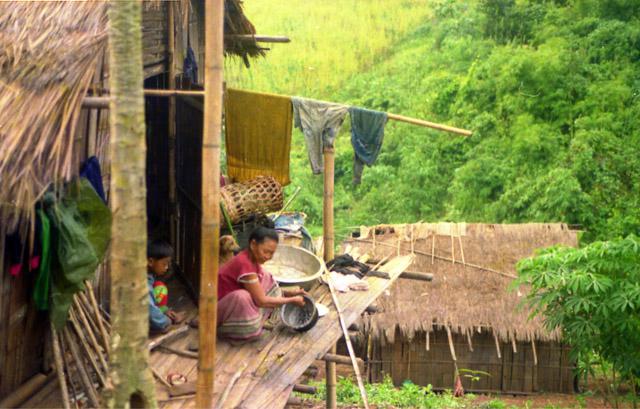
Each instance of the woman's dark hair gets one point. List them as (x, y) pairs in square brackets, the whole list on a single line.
[(260, 234), (159, 249)]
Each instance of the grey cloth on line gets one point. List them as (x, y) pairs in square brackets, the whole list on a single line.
[(320, 122), (367, 133)]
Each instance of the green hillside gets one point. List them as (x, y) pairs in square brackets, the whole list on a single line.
[(550, 89)]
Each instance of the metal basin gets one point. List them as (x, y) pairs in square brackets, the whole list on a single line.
[(292, 265)]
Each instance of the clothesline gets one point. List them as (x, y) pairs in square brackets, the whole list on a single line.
[(103, 102)]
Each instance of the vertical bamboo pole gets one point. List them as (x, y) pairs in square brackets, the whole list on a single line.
[(210, 228), (171, 130), (327, 225)]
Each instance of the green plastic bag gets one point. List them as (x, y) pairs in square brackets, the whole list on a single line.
[(82, 230)]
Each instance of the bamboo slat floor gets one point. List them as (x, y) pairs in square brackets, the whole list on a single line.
[(265, 371)]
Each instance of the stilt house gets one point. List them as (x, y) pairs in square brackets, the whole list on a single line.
[(468, 317)]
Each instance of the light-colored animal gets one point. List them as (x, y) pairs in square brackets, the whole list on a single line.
[(228, 247)]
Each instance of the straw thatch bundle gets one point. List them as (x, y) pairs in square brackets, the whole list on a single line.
[(467, 296), (48, 54), (236, 23)]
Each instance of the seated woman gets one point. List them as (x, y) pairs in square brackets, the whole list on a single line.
[(247, 294)]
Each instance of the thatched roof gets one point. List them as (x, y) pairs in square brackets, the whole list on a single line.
[(467, 296), (49, 52)]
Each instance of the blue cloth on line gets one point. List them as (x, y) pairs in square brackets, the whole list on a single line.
[(90, 170), (367, 133), (190, 66)]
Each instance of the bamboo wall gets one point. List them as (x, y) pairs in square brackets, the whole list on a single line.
[(513, 372)]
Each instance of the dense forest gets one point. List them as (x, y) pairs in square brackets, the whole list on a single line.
[(551, 90)]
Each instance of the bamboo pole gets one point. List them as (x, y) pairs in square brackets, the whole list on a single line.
[(57, 358), (171, 129), (328, 237), (210, 226), (260, 38), (495, 338), (427, 124), (345, 332), (96, 309), (535, 353), (90, 389)]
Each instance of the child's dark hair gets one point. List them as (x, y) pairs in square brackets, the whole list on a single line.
[(159, 249), (260, 234)]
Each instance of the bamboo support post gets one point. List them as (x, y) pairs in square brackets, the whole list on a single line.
[(328, 237), (96, 308), (495, 338), (59, 364), (171, 129), (90, 389), (535, 354), (210, 225)]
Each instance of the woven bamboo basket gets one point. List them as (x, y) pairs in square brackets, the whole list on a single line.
[(260, 195)]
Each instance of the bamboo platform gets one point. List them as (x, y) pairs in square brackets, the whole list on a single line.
[(265, 372), (255, 375)]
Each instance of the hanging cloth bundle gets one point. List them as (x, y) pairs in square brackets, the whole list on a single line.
[(367, 133), (81, 229)]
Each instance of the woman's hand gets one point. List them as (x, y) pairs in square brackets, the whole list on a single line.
[(294, 292), (297, 300)]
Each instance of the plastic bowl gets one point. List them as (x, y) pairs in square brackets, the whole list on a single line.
[(298, 318)]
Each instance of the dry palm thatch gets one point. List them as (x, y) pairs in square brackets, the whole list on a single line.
[(237, 24), (464, 295), (48, 55)]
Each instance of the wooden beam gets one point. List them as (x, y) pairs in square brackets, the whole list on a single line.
[(339, 359), (210, 225), (311, 390)]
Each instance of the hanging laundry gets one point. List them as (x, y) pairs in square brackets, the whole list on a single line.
[(43, 282), (90, 170), (17, 249), (367, 132), (320, 122), (190, 66), (81, 226), (257, 135)]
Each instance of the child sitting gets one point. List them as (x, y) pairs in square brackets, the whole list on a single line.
[(158, 261)]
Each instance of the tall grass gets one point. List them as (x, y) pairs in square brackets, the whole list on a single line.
[(330, 41)]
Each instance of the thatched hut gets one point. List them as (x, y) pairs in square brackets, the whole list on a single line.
[(53, 74), (468, 316)]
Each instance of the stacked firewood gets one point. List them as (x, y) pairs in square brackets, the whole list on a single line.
[(81, 351)]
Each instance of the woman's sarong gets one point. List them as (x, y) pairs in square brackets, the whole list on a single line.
[(239, 318)]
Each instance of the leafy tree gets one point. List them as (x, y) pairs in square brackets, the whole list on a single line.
[(593, 295)]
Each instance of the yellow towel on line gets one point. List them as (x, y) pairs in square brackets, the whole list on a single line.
[(258, 135)]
